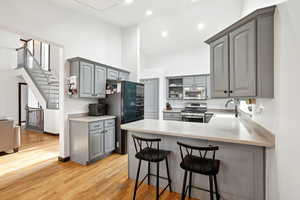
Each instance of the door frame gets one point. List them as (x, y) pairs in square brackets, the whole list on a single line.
[(20, 102), (158, 91)]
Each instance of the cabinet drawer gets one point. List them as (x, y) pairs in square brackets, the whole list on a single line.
[(96, 125), (173, 118), (109, 123), (112, 74), (172, 115)]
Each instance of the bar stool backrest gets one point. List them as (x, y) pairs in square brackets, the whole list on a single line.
[(202, 150), (141, 143)]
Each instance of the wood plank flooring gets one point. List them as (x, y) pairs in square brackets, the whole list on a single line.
[(34, 173)]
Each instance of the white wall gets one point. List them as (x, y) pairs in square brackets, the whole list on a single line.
[(131, 51), (8, 79), (186, 62), (281, 114), (78, 34)]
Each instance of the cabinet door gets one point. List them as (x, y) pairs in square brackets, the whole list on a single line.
[(112, 74), (123, 76), (96, 143), (188, 81), (200, 81), (110, 139), (100, 81), (243, 61), (86, 80), (219, 56)]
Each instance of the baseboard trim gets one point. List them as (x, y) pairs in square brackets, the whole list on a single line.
[(61, 159)]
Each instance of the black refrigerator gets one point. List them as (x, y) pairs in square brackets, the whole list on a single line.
[(125, 100)]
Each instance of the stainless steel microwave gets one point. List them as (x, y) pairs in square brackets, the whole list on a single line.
[(194, 93)]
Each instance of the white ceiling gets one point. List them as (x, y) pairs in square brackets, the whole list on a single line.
[(179, 17)]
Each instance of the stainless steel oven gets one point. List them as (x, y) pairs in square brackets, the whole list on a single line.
[(194, 93)]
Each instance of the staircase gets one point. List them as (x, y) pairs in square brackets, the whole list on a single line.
[(43, 83)]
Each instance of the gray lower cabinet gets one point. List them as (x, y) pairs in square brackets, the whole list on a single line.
[(172, 116), (96, 148), (242, 57), (110, 139), (91, 141)]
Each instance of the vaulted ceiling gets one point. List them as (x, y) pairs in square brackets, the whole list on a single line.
[(180, 18)]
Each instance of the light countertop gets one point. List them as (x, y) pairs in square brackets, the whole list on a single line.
[(221, 128), (91, 118)]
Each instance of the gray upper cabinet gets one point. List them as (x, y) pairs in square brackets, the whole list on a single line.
[(219, 56), (112, 74), (243, 61), (200, 81), (86, 79), (123, 76), (188, 81), (92, 77), (100, 81), (242, 57)]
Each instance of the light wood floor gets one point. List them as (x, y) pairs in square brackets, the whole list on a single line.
[(34, 173)]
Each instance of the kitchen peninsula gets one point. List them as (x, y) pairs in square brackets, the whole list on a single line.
[(242, 153)]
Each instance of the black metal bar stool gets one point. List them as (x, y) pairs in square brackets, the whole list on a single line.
[(146, 152), (201, 165)]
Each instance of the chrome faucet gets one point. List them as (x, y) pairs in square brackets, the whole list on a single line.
[(236, 103)]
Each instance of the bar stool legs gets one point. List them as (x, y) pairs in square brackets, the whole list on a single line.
[(216, 188), (184, 186), (157, 181), (211, 188), (212, 184), (190, 184), (149, 170), (137, 179), (168, 173)]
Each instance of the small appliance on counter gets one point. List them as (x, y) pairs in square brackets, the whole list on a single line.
[(125, 100), (97, 109)]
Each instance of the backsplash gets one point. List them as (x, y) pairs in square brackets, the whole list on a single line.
[(211, 103)]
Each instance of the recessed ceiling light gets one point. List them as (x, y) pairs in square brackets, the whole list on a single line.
[(149, 12), (194, 1), (200, 26), (129, 1), (164, 34)]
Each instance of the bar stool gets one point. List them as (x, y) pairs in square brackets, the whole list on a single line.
[(146, 152), (201, 165)]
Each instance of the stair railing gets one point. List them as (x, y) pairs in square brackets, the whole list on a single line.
[(27, 61)]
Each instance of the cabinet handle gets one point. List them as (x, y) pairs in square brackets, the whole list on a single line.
[(225, 92), (230, 91)]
